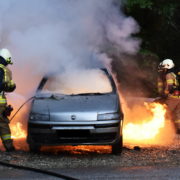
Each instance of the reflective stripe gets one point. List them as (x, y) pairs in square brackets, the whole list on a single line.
[(174, 96), (6, 137), (10, 83), (178, 73), (5, 77), (160, 89), (2, 99), (1, 66), (177, 121), (169, 81), (160, 83)]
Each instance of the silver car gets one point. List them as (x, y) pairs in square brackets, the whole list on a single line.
[(93, 118)]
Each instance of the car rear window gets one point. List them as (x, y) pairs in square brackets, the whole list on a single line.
[(79, 82)]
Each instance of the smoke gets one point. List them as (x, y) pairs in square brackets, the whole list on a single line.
[(65, 35), (88, 82)]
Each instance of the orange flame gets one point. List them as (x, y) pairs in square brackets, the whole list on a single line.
[(17, 132), (146, 130)]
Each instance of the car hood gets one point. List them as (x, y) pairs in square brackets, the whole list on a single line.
[(82, 107)]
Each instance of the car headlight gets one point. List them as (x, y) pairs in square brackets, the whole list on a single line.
[(108, 116), (39, 117)]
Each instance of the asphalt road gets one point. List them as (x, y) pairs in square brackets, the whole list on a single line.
[(129, 173)]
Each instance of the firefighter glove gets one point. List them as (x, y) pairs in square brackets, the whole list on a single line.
[(8, 110)]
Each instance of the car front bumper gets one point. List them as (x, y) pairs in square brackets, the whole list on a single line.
[(48, 133)]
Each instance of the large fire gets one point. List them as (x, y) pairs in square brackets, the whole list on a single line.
[(17, 132), (143, 126), (147, 130)]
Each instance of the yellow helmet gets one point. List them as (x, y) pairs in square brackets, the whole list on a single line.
[(6, 55)]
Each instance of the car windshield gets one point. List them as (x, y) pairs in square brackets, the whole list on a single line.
[(83, 82)]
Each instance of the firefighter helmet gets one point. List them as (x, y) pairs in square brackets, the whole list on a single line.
[(167, 64), (6, 55)]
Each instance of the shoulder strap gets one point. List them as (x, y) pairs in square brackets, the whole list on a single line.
[(3, 67)]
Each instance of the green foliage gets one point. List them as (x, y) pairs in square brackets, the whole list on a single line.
[(160, 26), (141, 3), (145, 52), (165, 8)]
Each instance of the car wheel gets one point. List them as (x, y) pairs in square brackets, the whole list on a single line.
[(35, 149), (178, 131), (177, 127), (117, 148)]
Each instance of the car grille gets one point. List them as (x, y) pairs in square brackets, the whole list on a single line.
[(46, 126), (41, 126), (73, 136)]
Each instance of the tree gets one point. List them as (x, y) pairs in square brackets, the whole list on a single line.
[(160, 26)]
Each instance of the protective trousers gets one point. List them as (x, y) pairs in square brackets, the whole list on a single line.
[(5, 131), (174, 107)]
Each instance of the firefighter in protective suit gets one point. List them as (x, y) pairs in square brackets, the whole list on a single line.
[(171, 86), (161, 79), (6, 85)]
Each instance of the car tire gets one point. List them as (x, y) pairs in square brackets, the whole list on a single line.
[(177, 128), (35, 149), (178, 131), (117, 148)]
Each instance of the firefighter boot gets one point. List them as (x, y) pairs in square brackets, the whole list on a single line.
[(8, 144), (10, 149)]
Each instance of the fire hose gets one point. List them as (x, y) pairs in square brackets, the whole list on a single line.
[(21, 107), (34, 169), (37, 170)]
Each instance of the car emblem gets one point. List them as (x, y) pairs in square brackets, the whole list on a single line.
[(73, 117)]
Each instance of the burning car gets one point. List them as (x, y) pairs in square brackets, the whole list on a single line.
[(63, 115)]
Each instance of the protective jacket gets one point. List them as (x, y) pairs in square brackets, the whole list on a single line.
[(6, 84), (171, 83), (161, 83)]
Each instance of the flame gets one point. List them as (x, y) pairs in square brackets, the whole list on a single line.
[(146, 130), (19, 136), (80, 149), (17, 132)]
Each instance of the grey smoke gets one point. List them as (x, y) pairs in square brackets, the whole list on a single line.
[(62, 35)]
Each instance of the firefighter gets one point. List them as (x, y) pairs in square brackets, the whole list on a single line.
[(6, 85), (170, 94), (161, 79)]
